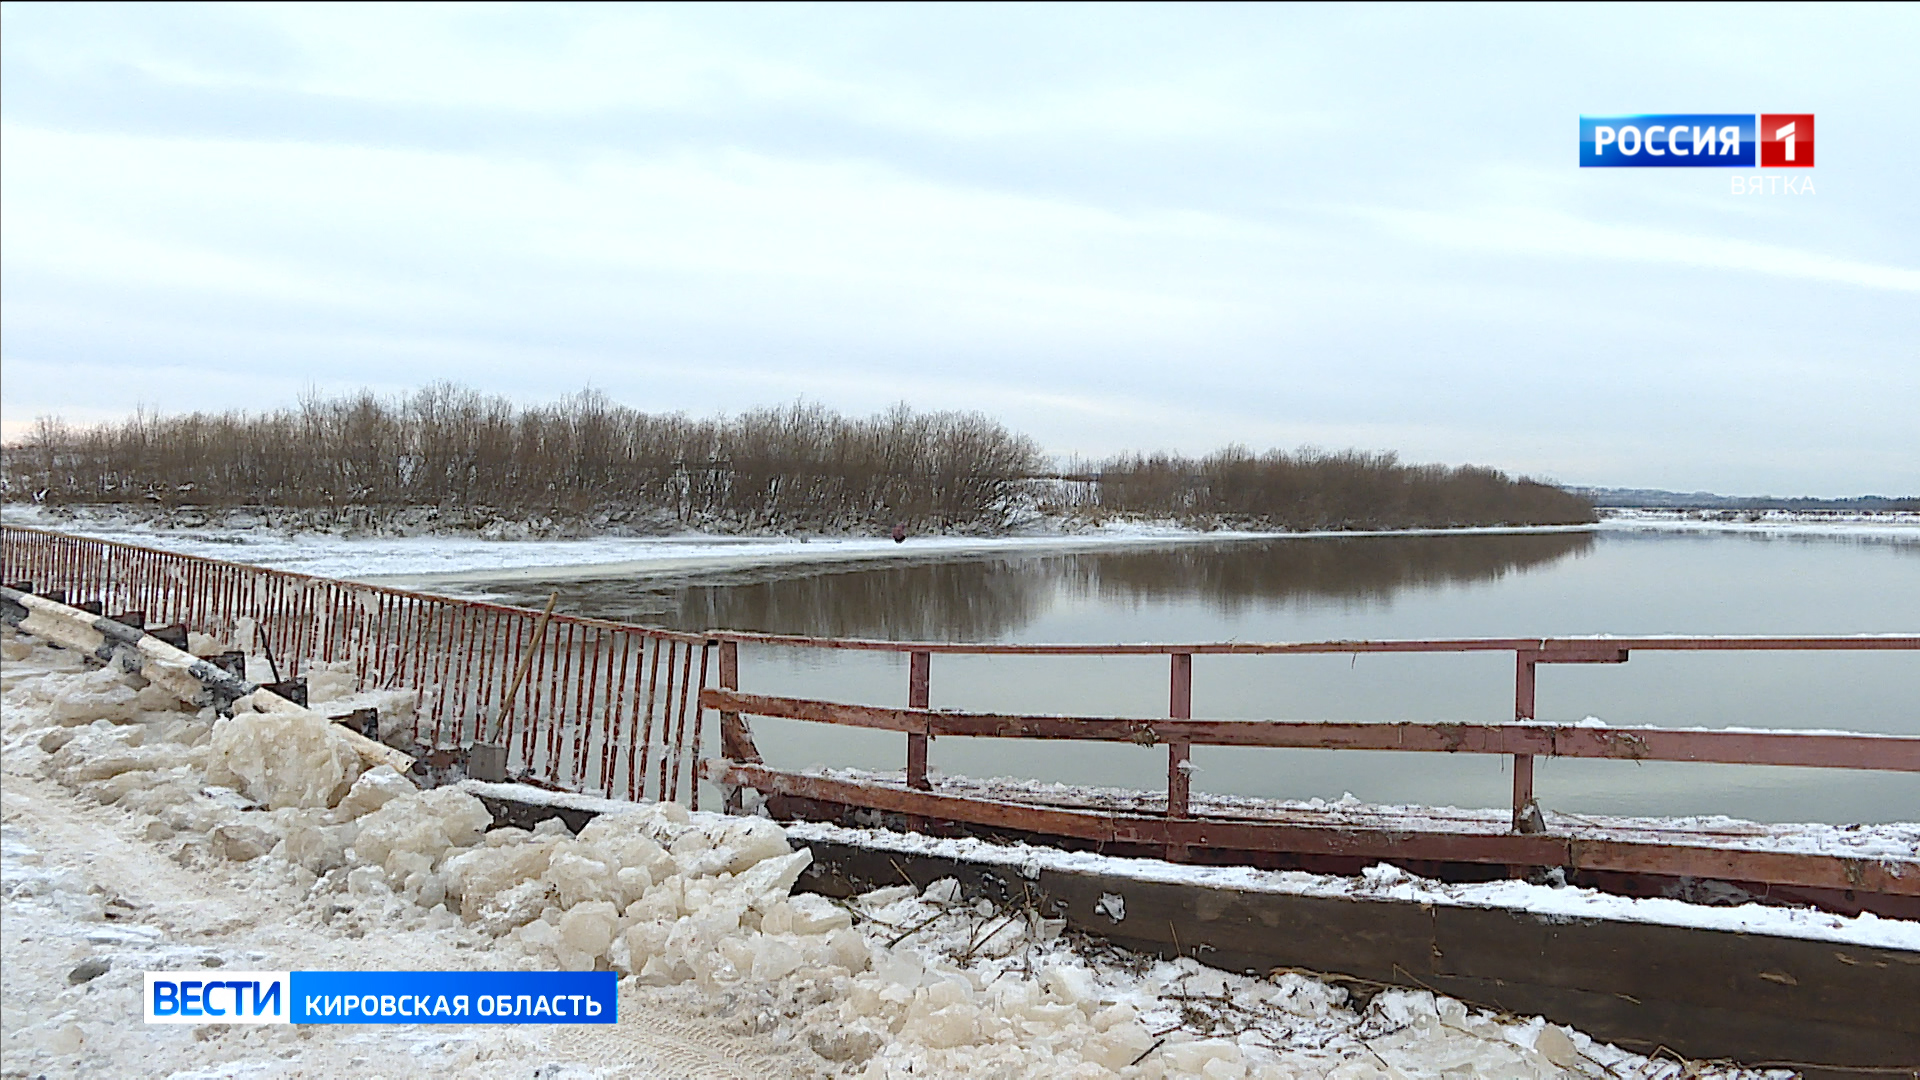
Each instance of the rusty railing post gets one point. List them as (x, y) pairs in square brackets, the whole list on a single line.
[(919, 683), (1179, 752), (736, 739), (1526, 812)]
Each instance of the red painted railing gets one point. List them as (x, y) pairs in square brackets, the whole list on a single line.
[(1524, 739), (1890, 886), (603, 707)]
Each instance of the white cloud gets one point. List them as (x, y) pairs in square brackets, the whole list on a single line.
[(1147, 228), (1560, 235)]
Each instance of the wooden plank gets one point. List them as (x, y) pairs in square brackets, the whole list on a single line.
[(1897, 753), (1226, 835), (1791, 979), (1639, 985)]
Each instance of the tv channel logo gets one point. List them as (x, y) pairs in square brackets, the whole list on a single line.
[(382, 997), (228, 997), (1697, 140)]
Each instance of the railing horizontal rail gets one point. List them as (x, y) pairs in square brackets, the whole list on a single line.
[(359, 586), (1897, 753), (1343, 839), (1551, 650)]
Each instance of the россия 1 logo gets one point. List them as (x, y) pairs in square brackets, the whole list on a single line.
[(1698, 140)]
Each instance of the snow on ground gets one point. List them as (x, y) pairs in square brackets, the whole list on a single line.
[(419, 561), (120, 857), (1899, 525)]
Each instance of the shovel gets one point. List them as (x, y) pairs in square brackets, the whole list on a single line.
[(487, 759)]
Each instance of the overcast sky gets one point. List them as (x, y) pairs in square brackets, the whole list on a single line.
[(1112, 228)]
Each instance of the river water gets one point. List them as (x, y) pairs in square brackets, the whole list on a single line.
[(1613, 581)]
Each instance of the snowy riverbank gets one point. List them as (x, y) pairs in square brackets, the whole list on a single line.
[(424, 561), (1893, 525)]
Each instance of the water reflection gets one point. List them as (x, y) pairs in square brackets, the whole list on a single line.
[(994, 598), (1371, 568)]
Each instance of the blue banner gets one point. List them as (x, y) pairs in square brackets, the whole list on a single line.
[(1677, 140), (455, 997)]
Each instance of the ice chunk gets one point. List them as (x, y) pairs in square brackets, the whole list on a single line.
[(848, 949), (366, 880), (242, 843), (662, 971), (1072, 984), (53, 740), (204, 645), (1554, 1045), (664, 900), (644, 941), (329, 681), (479, 875), (412, 876), (765, 884), (512, 907), (281, 759), (540, 936), (729, 847), (429, 823), (373, 790), (816, 914), (628, 840), (319, 848), (84, 761), (632, 883), (96, 695), (577, 878), (949, 1026), (774, 957), (903, 969), (777, 919), (588, 928), (1119, 1046), (159, 793), (880, 898), (1194, 1057)]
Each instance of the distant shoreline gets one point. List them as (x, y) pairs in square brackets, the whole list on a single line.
[(1861, 523), (431, 560), (422, 560)]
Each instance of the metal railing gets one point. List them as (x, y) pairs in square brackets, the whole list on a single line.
[(604, 707)]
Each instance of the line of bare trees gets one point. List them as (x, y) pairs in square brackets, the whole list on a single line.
[(1313, 489), (447, 445), (801, 465)]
